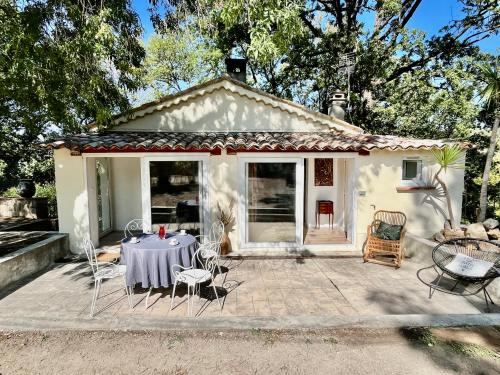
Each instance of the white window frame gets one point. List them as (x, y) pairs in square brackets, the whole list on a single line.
[(203, 183), (420, 171), (299, 201)]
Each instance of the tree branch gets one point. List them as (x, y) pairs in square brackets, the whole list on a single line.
[(408, 68), (410, 13), (397, 24), (338, 14), (314, 30)]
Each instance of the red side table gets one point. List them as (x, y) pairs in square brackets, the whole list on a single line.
[(326, 208)]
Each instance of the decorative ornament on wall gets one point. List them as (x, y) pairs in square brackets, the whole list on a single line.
[(323, 172)]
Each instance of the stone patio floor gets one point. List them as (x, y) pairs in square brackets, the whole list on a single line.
[(265, 287)]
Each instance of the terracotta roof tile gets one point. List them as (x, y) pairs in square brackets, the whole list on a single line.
[(238, 141)]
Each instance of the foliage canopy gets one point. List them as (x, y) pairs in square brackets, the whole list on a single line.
[(63, 64)]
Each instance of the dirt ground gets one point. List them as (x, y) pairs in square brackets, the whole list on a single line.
[(408, 351)]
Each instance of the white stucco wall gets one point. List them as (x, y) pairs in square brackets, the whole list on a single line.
[(223, 186), (72, 205), (220, 111), (225, 105), (125, 190), (379, 175)]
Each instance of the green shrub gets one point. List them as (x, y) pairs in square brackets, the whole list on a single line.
[(48, 191), (10, 193), (3, 178)]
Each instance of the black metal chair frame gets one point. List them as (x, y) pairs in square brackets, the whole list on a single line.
[(455, 246)]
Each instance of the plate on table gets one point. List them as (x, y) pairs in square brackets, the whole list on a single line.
[(173, 242)]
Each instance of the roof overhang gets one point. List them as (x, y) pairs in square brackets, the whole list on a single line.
[(234, 142)]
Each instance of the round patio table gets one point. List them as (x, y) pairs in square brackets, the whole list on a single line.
[(150, 260)]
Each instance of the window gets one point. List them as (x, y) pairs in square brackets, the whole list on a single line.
[(412, 170)]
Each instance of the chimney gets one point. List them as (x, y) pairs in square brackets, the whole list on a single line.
[(237, 69), (337, 105)]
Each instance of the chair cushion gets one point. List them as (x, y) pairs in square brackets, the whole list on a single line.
[(208, 253), (111, 271), (108, 257), (194, 276), (387, 231), (467, 266)]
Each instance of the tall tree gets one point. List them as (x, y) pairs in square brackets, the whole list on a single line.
[(63, 63), (491, 94), (297, 49), (177, 59), (437, 101)]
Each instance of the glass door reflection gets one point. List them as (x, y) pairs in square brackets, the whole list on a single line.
[(271, 196), (176, 195)]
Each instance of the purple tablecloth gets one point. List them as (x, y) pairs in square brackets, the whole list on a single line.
[(150, 261)]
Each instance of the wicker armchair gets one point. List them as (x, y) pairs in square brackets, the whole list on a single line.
[(387, 252)]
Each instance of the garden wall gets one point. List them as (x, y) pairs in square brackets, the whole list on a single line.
[(33, 258), (30, 208)]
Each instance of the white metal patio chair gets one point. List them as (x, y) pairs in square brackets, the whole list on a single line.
[(214, 238), (133, 225), (201, 271), (102, 271)]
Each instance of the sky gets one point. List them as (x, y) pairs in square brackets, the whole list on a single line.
[(430, 16)]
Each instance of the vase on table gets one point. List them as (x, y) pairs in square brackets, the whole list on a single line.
[(161, 232)]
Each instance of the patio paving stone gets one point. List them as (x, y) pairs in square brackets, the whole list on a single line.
[(263, 287)]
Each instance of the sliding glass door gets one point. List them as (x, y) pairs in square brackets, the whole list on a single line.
[(273, 208), (174, 195)]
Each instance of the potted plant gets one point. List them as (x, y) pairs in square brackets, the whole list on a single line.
[(26, 188), (227, 218)]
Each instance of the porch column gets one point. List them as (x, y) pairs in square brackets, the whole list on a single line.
[(72, 201)]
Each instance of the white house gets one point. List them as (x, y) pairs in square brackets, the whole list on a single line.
[(172, 160)]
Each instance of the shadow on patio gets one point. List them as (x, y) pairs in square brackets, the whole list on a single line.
[(263, 287)]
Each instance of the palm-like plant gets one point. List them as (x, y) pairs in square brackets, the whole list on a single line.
[(448, 157), (490, 94)]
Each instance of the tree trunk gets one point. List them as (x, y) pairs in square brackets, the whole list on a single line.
[(483, 196), (451, 218)]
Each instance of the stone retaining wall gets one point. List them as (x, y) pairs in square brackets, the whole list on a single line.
[(33, 258), (30, 208)]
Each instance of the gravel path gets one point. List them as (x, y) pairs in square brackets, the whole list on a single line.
[(238, 352)]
